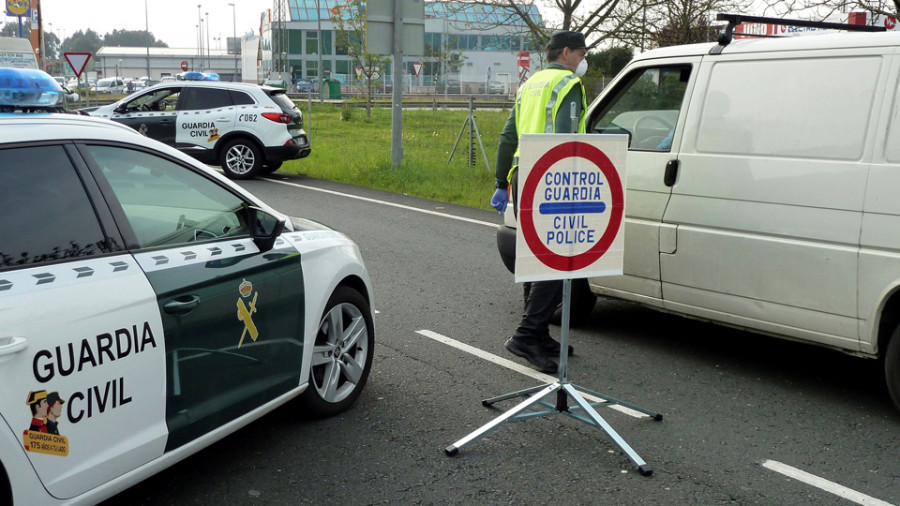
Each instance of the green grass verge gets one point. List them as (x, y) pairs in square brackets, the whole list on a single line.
[(357, 150)]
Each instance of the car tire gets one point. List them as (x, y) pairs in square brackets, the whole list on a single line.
[(892, 367), (342, 354), (270, 167), (241, 159)]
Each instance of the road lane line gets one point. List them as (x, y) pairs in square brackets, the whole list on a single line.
[(386, 203), (823, 484), (519, 368)]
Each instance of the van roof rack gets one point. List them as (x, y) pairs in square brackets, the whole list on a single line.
[(733, 20)]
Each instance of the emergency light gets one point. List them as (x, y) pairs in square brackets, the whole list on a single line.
[(28, 89)]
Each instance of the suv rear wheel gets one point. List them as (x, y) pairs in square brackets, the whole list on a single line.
[(241, 159)]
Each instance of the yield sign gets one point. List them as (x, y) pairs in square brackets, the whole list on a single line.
[(77, 61), (417, 66), (359, 72)]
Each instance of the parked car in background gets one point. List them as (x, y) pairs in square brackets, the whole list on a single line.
[(304, 85), (496, 87), (110, 85), (247, 129)]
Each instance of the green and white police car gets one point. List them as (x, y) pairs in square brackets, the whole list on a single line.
[(149, 307), (247, 129)]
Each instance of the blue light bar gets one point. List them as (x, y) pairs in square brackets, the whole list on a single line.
[(28, 88)]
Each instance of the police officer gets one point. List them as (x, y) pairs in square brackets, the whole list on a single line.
[(543, 105)]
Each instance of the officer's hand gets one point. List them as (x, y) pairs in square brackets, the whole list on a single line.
[(499, 200)]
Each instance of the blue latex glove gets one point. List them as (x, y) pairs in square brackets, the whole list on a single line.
[(499, 200)]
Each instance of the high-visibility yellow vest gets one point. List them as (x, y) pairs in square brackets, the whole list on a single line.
[(538, 101)]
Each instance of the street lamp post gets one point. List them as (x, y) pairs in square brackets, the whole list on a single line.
[(147, 29), (200, 36), (234, 37), (208, 64)]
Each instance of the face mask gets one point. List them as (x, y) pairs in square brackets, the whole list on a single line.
[(582, 68)]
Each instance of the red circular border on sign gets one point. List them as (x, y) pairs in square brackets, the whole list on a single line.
[(529, 233)]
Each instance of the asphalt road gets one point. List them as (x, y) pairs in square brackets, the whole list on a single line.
[(747, 419)]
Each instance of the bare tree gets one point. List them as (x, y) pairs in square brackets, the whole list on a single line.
[(350, 35), (830, 9)]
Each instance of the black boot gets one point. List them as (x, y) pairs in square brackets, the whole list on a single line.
[(532, 352)]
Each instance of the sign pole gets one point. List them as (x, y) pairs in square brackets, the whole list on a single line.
[(594, 218)]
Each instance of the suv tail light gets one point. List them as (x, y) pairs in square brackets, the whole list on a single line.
[(278, 117)]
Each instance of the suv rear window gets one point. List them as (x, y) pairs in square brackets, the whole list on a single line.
[(280, 98)]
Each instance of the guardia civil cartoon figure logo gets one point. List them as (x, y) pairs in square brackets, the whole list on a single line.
[(245, 312), (43, 436)]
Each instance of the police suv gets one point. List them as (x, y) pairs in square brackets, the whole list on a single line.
[(247, 129), (149, 307)]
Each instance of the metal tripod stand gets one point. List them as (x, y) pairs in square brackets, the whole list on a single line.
[(583, 410)]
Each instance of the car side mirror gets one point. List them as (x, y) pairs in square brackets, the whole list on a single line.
[(264, 228)]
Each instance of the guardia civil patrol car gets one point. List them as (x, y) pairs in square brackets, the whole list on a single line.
[(247, 129), (149, 307)]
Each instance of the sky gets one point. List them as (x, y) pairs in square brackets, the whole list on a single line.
[(171, 21)]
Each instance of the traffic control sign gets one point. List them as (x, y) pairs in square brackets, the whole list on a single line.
[(77, 61), (417, 67), (571, 206)]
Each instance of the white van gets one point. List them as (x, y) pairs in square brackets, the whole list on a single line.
[(762, 187), (110, 85)]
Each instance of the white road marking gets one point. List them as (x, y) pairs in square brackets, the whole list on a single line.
[(823, 484), (519, 368), (383, 202)]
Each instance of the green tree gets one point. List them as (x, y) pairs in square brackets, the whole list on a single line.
[(11, 29), (132, 38), (603, 66), (83, 42)]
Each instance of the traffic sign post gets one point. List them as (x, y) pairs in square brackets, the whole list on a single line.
[(571, 216)]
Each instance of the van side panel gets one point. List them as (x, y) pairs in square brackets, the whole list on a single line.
[(879, 256), (769, 197)]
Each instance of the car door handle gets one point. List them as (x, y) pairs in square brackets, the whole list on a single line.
[(671, 173), (10, 345), (182, 305), (224, 120)]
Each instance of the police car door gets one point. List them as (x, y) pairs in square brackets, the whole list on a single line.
[(82, 355), (646, 102), (232, 314), (152, 114), (205, 114)]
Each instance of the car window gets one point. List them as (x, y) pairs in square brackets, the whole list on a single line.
[(159, 100), (167, 204), (280, 98), (202, 98), (47, 214), (241, 98), (646, 107)]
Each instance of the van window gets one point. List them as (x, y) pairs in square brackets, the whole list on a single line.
[(646, 107), (809, 108)]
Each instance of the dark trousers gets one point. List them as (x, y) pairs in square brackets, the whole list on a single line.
[(541, 297)]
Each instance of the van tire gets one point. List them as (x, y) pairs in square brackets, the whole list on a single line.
[(892, 367), (241, 159)]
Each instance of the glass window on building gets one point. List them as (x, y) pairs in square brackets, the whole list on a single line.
[(297, 68), (433, 43), (312, 42), (327, 37), (312, 68), (342, 67), (295, 42)]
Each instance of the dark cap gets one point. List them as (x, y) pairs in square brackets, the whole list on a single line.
[(54, 397), (574, 40)]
